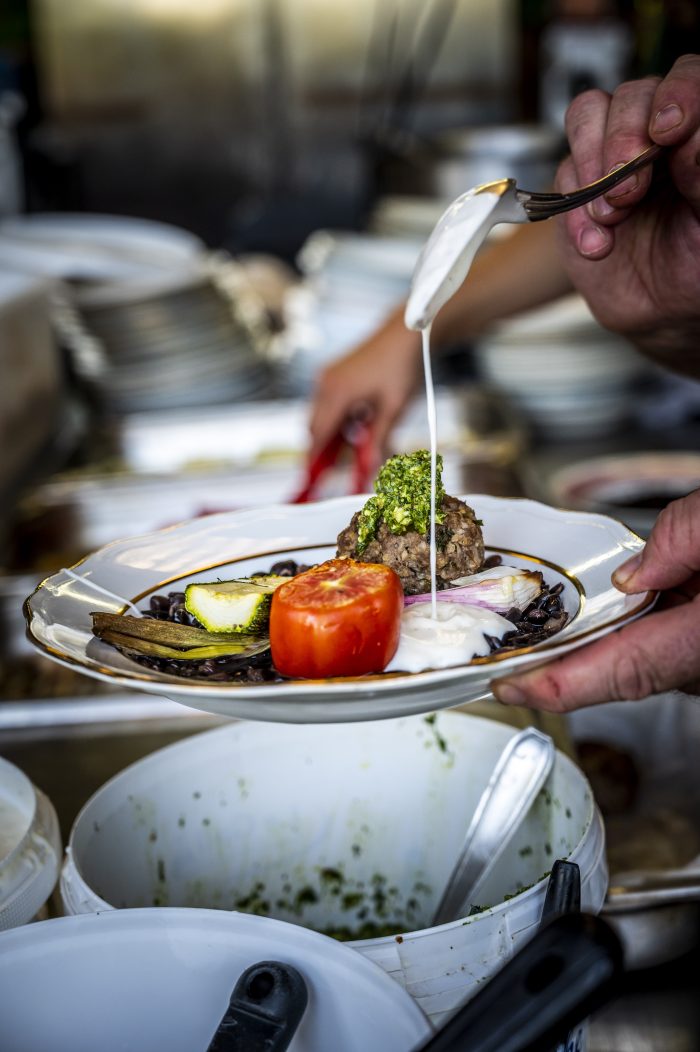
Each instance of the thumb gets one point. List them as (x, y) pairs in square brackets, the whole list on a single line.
[(672, 553)]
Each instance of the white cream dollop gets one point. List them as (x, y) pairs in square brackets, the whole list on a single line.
[(454, 637)]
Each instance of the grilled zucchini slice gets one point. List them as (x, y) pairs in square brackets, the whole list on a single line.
[(241, 605)]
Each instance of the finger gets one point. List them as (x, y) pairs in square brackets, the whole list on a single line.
[(657, 653), (675, 115), (589, 238), (327, 413), (585, 123), (334, 405), (626, 136), (671, 556)]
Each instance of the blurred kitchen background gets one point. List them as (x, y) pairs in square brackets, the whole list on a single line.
[(201, 204)]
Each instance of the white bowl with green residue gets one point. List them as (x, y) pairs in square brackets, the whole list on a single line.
[(349, 829)]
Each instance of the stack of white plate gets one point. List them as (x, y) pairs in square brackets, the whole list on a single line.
[(351, 283), (150, 317), (184, 347), (571, 378)]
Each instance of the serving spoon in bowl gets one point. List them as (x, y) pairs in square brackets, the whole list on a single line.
[(519, 774)]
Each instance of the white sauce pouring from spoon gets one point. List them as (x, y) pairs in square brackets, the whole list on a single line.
[(449, 637), (449, 252)]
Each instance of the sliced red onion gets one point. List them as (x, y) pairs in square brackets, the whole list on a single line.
[(500, 589)]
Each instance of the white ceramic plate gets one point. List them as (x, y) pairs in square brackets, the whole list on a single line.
[(579, 549), (162, 978)]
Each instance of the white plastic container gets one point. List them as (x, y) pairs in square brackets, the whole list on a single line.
[(147, 980), (30, 848), (331, 826)]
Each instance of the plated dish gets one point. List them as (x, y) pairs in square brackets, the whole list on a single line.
[(576, 549)]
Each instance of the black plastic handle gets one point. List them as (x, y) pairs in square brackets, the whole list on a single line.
[(563, 890), (264, 1012), (569, 969), (563, 895)]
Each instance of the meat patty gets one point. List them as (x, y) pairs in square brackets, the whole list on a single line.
[(459, 542)]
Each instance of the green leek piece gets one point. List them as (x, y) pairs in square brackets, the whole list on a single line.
[(168, 633), (242, 605), (167, 639), (235, 647)]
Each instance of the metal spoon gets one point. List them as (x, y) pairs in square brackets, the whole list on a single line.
[(517, 778)]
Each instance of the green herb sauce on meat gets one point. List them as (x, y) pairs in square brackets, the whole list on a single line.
[(402, 497)]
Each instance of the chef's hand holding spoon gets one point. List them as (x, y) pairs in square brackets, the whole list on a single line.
[(636, 259), (635, 253)]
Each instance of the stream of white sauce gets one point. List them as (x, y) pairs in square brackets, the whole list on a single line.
[(445, 634)]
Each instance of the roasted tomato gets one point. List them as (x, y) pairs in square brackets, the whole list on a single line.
[(341, 618)]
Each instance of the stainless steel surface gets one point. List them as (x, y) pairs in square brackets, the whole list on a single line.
[(517, 778), (655, 887), (109, 711), (545, 205)]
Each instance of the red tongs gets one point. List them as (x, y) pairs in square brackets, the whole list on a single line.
[(355, 434)]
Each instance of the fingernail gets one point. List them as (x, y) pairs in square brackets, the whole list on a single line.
[(508, 693), (600, 208), (625, 187), (592, 241), (667, 118), (626, 572)]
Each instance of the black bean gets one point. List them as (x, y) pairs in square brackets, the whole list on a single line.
[(159, 603), (255, 675), (285, 568), (537, 617), (491, 561)]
